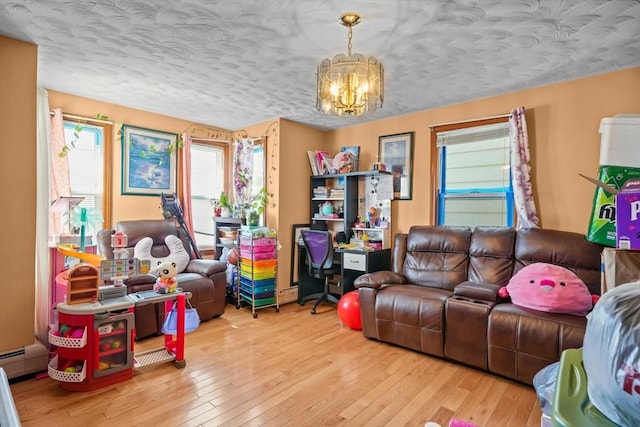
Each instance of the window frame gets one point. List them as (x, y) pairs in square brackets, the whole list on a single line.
[(438, 168), (107, 158)]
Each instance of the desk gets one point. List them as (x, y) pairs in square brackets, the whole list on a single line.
[(353, 263)]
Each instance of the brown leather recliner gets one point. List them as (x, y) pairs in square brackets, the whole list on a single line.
[(204, 278), (441, 296)]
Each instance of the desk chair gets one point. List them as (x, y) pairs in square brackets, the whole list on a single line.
[(319, 248)]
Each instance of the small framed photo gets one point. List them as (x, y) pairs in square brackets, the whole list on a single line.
[(396, 153), (148, 161)]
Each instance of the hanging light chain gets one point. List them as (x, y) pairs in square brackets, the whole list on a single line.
[(349, 36)]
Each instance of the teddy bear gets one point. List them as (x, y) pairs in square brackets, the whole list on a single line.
[(166, 282)]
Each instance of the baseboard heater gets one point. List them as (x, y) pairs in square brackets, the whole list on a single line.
[(27, 360)]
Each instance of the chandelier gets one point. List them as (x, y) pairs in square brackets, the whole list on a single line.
[(352, 84)]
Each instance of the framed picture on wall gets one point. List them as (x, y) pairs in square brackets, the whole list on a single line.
[(148, 161), (396, 152)]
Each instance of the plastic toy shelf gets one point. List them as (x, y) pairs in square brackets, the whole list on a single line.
[(257, 270)]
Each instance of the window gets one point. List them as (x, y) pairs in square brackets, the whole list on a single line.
[(474, 179), (89, 171), (208, 172), (208, 180)]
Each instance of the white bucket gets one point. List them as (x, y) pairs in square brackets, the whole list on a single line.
[(620, 141)]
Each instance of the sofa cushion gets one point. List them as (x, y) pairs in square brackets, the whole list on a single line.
[(521, 341), (412, 316)]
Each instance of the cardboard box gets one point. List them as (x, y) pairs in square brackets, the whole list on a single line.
[(623, 216), (602, 224), (628, 215), (619, 267)]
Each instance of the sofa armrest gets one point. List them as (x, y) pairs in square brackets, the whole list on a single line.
[(377, 279), (478, 291), (205, 267), (141, 279)]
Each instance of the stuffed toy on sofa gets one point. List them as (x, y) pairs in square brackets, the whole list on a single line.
[(550, 288), (166, 283)]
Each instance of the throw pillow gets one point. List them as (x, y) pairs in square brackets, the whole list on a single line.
[(550, 288), (177, 253)]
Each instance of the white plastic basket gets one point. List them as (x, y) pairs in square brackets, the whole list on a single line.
[(67, 377), (67, 342)]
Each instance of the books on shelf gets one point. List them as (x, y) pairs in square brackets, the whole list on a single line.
[(321, 162)]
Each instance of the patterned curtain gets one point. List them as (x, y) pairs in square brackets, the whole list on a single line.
[(527, 216), (242, 171), (60, 185), (185, 191)]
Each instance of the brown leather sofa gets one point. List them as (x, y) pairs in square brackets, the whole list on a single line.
[(204, 278), (441, 296)]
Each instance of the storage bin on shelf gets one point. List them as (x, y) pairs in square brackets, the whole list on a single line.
[(55, 372), (68, 342)]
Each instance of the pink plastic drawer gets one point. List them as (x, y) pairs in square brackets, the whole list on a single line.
[(257, 256), (262, 241), (264, 248)]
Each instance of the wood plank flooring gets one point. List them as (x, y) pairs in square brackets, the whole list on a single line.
[(285, 369)]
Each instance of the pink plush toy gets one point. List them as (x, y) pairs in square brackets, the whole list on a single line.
[(551, 288)]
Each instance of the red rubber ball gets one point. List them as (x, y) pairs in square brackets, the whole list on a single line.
[(349, 310)]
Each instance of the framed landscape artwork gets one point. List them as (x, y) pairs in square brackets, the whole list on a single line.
[(396, 152), (148, 161)]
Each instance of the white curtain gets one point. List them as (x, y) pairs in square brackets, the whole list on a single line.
[(525, 205), (43, 296), (187, 209)]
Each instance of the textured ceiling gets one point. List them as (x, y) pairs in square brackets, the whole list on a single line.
[(234, 63)]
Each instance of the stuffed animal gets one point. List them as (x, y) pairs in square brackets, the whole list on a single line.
[(343, 162), (550, 288), (166, 283)]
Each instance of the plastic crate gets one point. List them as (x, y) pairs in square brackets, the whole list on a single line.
[(257, 256), (248, 268), (67, 377)]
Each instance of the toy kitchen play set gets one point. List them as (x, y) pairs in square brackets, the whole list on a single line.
[(94, 333)]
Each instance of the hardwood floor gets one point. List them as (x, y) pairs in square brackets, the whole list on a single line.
[(285, 369)]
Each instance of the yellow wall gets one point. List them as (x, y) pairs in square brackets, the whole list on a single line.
[(562, 120), (18, 62), (124, 207)]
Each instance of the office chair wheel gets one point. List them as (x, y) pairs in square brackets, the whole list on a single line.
[(313, 310)]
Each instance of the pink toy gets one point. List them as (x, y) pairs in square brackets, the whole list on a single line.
[(548, 287), (459, 423)]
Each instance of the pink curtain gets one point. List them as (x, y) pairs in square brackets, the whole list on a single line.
[(185, 191), (60, 185), (525, 205)]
